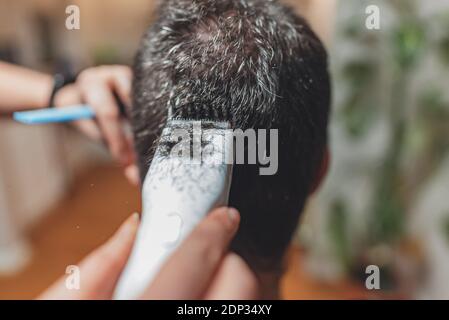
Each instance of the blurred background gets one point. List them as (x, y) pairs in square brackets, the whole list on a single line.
[(384, 202)]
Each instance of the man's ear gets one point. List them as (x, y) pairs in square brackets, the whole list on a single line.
[(321, 172)]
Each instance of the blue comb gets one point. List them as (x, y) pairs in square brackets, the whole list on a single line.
[(51, 115)]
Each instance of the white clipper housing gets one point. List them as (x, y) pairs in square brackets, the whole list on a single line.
[(178, 191)]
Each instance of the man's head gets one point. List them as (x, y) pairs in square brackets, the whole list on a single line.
[(261, 67)]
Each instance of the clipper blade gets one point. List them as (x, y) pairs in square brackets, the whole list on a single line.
[(190, 175)]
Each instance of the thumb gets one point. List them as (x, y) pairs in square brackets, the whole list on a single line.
[(100, 270), (188, 272)]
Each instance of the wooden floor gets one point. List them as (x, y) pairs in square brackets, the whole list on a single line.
[(98, 202)]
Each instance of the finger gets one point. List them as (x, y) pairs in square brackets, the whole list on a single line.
[(100, 97), (99, 271), (188, 272), (121, 82), (234, 280), (89, 128), (70, 95), (131, 171), (130, 141), (132, 174), (103, 267)]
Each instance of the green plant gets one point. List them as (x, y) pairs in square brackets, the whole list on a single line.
[(424, 142), (338, 233)]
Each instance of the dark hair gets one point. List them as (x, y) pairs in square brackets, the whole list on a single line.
[(261, 66)]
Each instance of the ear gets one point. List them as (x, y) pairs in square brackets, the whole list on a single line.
[(321, 172)]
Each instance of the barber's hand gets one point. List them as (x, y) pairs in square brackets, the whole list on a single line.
[(201, 268), (95, 86)]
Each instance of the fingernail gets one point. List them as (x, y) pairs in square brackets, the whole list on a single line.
[(129, 226), (233, 215), (135, 217), (132, 174)]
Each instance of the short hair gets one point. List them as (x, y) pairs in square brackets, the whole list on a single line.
[(264, 68)]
